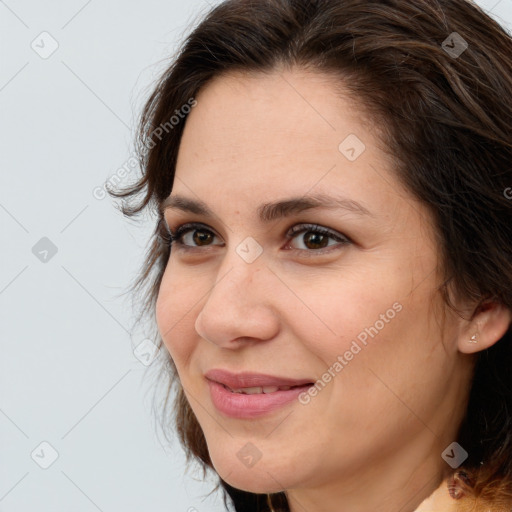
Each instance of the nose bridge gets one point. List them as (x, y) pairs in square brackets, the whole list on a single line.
[(237, 304), (236, 282), (234, 278), (242, 263)]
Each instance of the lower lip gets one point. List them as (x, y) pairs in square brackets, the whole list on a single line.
[(239, 405)]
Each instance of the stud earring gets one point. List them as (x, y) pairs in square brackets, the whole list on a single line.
[(473, 338)]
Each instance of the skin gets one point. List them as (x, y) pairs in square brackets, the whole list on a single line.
[(372, 437)]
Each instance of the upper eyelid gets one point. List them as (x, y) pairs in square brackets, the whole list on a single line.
[(188, 226)]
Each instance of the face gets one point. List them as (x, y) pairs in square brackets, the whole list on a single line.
[(352, 308)]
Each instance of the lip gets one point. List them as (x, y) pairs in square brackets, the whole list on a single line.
[(249, 379), (242, 406)]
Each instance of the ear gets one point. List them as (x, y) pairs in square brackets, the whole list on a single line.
[(489, 323)]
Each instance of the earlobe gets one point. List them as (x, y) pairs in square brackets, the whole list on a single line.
[(489, 324)]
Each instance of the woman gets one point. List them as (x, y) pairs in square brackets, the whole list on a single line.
[(331, 270)]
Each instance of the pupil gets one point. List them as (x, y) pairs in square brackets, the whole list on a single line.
[(315, 238), (204, 238)]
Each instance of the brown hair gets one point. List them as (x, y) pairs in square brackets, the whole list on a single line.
[(445, 118)]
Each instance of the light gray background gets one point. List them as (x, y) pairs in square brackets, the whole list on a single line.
[(68, 373)]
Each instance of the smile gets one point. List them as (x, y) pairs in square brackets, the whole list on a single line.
[(249, 395)]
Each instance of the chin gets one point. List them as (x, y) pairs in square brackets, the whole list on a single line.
[(256, 480), (254, 485)]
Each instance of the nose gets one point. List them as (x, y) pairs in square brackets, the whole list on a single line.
[(238, 308)]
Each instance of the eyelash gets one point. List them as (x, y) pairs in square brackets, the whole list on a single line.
[(169, 238)]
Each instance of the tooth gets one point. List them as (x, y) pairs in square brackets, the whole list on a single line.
[(270, 389), (252, 391), (284, 388)]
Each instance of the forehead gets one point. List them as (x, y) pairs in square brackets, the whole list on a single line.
[(272, 112), (284, 117), (255, 137)]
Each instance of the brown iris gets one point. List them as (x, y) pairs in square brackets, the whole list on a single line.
[(316, 239)]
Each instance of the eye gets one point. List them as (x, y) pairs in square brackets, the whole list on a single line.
[(194, 235), (315, 238)]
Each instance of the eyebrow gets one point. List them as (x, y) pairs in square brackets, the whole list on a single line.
[(268, 212)]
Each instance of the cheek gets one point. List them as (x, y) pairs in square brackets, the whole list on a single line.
[(361, 333), (331, 317), (175, 315)]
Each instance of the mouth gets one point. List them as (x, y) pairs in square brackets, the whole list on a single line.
[(255, 383), (258, 390), (250, 395)]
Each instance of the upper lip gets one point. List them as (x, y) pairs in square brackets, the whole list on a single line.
[(250, 380)]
